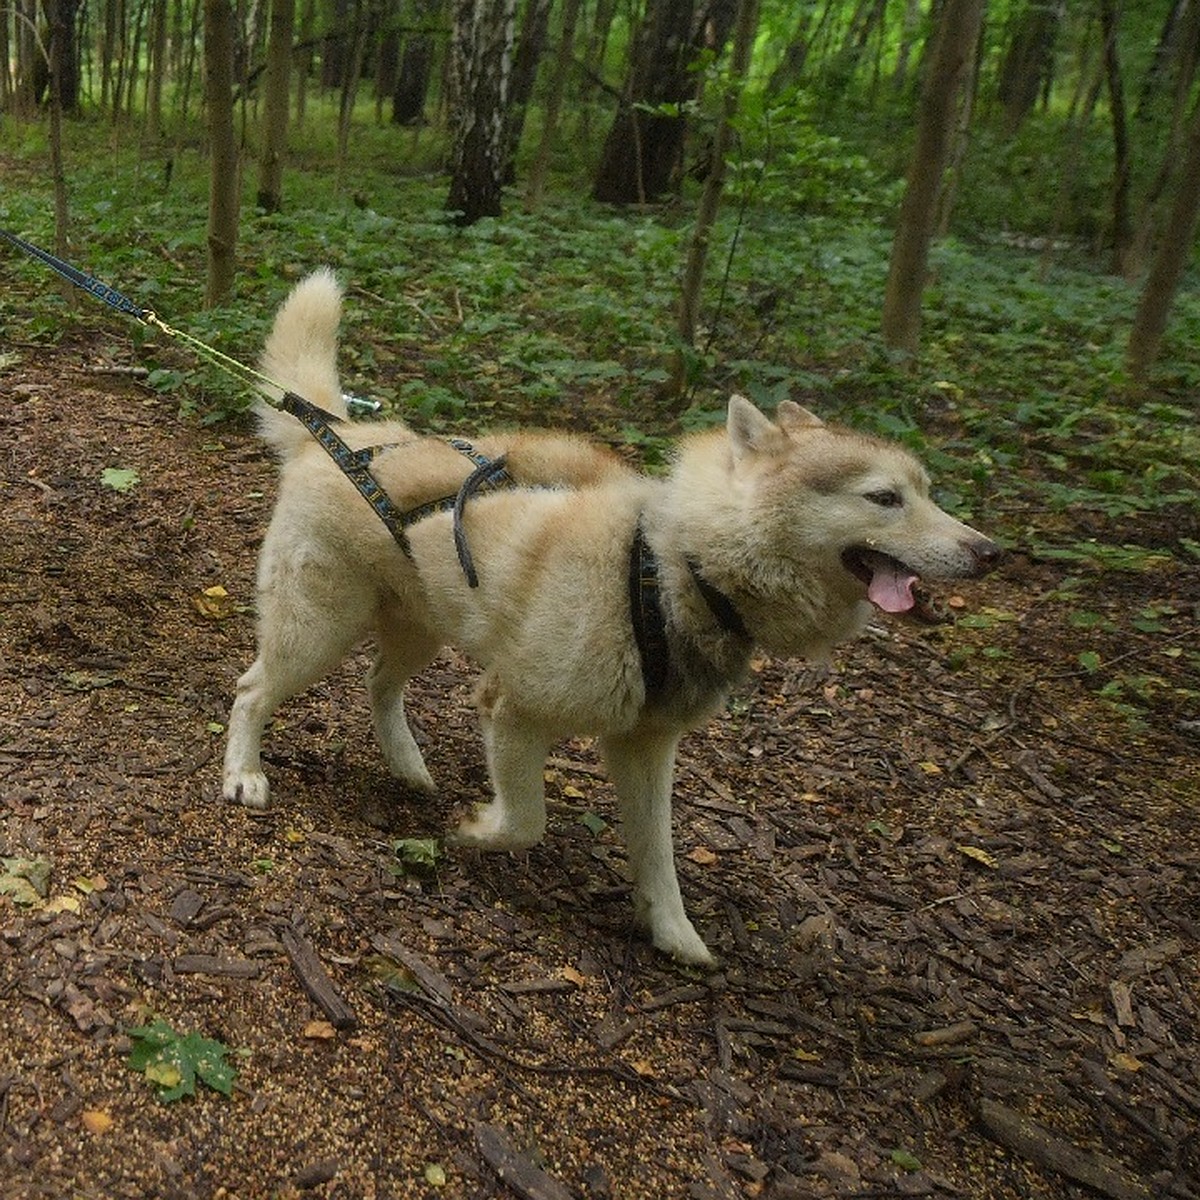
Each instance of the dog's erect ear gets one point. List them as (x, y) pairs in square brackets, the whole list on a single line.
[(791, 415), (750, 431)]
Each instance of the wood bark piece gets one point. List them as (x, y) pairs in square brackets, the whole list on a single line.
[(516, 1170), (214, 964), (1030, 1140), (315, 981)]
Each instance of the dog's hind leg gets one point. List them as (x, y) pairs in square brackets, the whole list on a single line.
[(516, 753), (641, 766), (401, 654)]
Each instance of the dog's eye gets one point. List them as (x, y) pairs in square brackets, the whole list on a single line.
[(885, 498)]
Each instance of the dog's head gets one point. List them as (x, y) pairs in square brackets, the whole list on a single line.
[(858, 504)]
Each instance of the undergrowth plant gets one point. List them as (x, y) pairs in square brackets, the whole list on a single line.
[(1019, 402)]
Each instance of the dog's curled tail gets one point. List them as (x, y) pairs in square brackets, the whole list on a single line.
[(301, 356)]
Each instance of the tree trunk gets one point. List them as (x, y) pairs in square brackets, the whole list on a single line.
[(710, 198), (156, 71), (275, 103), (61, 16), (6, 81), (481, 60), (308, 18), (1028, 61), (1122, 227), (352, 74), (957, 154), (1174, 250), (643, 154), (558, 87), (530, 46), (908, 34), (595, 51), (28, 55), (189, 60), (58, 49), (950, 62), (223, 180)]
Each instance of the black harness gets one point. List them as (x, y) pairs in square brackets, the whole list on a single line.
[(356, 466), (649, 620)]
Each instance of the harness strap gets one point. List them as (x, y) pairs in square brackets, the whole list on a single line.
[(719, 604), (354, 464), (649, 621), (487, 475)]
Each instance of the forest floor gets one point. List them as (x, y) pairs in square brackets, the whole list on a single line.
[(954, 888)]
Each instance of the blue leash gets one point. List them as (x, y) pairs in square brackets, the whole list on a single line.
[(354, 464), (89, 283)]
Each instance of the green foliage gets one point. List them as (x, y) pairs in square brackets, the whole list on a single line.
[(173, 1062), (416, 856)]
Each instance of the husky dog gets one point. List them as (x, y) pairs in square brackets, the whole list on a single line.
[(625, 608), (329, 572)]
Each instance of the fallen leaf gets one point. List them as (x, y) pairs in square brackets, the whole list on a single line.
[(214, 603), (578, 978), (702, 855), (980, 856), (120, 479), (1125, 1062), (320, 1030), (96, 1120), (26, 880), (58, 904), (435, 1175)]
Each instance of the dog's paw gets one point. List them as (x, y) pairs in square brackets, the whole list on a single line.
[(418, 780), (672, 932), (684, 945), (489, 829), (247, 788)]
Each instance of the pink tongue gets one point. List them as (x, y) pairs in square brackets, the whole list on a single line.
[(891, 590)]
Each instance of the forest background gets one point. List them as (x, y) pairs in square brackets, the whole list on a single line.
[(952, 883), (963, 224)]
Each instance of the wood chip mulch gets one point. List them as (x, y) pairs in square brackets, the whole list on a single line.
[(953, 883)]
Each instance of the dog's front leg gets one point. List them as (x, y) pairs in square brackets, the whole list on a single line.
[(641, 766), (516, 754)]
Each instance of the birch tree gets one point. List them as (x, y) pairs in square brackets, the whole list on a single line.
[(481, 65)]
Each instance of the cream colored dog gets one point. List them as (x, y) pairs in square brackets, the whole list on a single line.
[(625, 608)]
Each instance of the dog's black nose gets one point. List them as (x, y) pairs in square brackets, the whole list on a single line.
[(987, 554)]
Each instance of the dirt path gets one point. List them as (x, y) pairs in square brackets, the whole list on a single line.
[(958, 910)]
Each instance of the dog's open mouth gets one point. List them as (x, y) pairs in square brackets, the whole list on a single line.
[(892, 585)]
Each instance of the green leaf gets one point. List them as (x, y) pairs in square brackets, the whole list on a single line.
[(120, 479), (1089, 660), (418, 856), (392, 975), (906, 1160), (593, 824), (26, 880), (174, 1061)]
